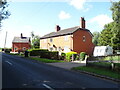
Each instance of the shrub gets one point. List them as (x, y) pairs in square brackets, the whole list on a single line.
[(82, 55), (69, 55), (44, 53), (112, 58), (36, 52), (62, 56)]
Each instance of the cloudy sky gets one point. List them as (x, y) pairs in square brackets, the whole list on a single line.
[(41, 16)]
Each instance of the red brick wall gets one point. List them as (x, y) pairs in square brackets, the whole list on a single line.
[(20, 46), (79, 45)]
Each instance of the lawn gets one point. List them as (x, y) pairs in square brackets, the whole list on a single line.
[(99, 71), (45, 60)]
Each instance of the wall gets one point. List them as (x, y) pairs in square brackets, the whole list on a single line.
[(82, 42), (20, 46), (60, 41)]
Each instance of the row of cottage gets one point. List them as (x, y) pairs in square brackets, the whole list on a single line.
[(77, 39)]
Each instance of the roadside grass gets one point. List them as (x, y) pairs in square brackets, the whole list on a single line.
[(99, 71), (17, 54), (45, 60)]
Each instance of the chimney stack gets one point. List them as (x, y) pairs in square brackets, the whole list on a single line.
[(82, 22), (21, 35), (57, 28)]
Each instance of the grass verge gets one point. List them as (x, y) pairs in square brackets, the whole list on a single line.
[(45, 60), (99, 71)]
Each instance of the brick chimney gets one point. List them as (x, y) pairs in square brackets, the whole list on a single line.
[(82, 22), (21, 35), (57, 28)]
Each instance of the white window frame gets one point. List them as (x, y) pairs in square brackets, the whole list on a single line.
[(84, 38)]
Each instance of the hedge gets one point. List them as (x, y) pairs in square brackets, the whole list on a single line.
[(82, 56), (69, 55), (44, 53)]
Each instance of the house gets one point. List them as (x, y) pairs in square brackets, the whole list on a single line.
[(21, 43), (77, 39)]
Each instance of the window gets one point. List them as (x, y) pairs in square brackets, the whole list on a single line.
[(15, 49), (51, 48), (66, 38), (84, 38), (51, 40), (24, 48), (59, 49)]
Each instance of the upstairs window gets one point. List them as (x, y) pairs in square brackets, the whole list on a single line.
[(66, 38), (84, 38), (51, 40)]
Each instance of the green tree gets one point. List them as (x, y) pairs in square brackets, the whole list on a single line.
[(115, 40), (106, 35), (4, 14), (35, 40), (95, 38)]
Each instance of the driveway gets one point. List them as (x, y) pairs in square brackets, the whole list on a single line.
[(67, 65)]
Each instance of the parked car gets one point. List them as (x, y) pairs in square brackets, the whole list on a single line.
[(102, 51)]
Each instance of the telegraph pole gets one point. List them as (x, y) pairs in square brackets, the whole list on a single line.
[(5, 41)]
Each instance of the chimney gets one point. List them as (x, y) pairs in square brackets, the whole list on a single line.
[(82, 22), (21, 35), (57, 28)]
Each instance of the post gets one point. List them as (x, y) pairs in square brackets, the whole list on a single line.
[(72, 57), (5, 41)]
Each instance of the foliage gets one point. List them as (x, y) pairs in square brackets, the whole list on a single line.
[(95, 38), (45, 60), (62, 56), (110, 35), (44, 53), (82, 56), (100, 71), (116, 28), (69, 55), (106, 35), (112, 58), (4, 14), (35, 40)]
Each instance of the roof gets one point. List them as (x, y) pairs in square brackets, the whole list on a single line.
[(21, 40), (63, 32)]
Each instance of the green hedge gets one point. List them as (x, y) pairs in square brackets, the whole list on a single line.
[(44, 53), (112, 58), (82, 56), (69, 55)]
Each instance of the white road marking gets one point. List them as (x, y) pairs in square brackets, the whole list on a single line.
[(8, 62), (47, 86)]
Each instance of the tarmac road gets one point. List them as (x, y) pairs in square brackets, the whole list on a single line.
[(20, 72)]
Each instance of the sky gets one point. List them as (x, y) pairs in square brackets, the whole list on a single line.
[(41, 17)]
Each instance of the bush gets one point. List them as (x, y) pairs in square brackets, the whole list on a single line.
[(62, 57), (69, 55), (112, 58), (36, 52), (43, 53), (82, 56)]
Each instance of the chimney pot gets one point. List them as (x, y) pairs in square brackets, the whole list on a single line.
[(21, 35), (57, 28)]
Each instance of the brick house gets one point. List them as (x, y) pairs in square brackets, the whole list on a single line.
[(21, 43), (71, 39)]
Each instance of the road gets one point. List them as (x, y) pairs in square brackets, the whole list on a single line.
[(19, 72)]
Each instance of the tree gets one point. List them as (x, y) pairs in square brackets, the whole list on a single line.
[(95, 38), (115, 40), (106, 35), (4, 14), (35, 40)]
